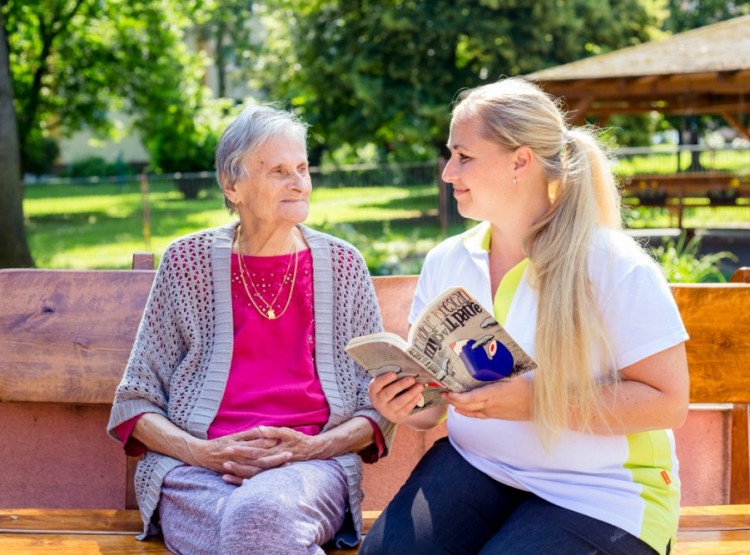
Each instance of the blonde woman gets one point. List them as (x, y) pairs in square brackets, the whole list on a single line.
[(578, 456)]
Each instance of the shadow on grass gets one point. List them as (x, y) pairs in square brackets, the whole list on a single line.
[(115, 220), (425, 202)]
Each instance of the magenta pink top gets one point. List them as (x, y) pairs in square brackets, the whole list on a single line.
[(272, 380)]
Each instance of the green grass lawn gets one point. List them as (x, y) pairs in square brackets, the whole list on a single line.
[(737, 161), (102, 225), (697, 214)]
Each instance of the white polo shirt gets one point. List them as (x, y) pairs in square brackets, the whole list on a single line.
[(630, 481)]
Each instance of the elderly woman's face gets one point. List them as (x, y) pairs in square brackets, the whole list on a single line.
[(278, 190)]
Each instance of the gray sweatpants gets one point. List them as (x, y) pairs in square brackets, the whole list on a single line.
[(287, 510)]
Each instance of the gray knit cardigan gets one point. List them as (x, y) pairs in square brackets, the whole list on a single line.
[(180, 360)]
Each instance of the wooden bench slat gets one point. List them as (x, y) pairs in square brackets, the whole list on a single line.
[(717, 319), (739, 487), (73, 544), (80, 326), (733, 542), (143, 261), (718, 351), (83, 521), (395, 295), (717, 529), (741, 275), (715, 522)]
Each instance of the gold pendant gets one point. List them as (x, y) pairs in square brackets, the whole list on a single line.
[(271, 314)]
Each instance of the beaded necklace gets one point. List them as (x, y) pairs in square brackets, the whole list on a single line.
[(269, 313)]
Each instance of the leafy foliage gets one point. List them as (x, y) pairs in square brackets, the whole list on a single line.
[(225, 27), (387, 251), (690, 14), (185, 140), (95, 166), (681, 262), (386, 71), (73, 62), (41, 153)]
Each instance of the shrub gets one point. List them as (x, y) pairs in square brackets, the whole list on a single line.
[(681, 263), (39, 159), (391, 253), (96, 166)]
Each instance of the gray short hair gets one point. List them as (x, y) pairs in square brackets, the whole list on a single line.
[(248, 133)]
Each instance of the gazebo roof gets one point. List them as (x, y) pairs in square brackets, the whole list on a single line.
[(705, 70), (723, 46)]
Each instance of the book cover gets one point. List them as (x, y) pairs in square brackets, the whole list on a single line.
[(454, 344)]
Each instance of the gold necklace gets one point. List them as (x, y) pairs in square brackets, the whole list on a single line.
[(269, 306), (269, 314)]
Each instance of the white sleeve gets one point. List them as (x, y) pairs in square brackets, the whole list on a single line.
[(641, 315)]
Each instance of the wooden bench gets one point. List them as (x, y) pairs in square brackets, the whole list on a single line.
[(65, 486), (672, 191)]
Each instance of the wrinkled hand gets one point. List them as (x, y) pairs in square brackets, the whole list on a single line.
[(242, 455), (299, 446), (267, 447), (506, 400), (394, 398)]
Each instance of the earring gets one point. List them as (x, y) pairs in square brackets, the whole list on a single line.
[(515, 180)]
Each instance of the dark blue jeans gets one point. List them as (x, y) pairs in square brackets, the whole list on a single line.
[(448, 506)]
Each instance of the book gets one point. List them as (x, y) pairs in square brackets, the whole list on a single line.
[(455, 344)]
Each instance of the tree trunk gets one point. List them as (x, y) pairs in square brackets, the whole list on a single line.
[(14, 249), (221, 62), (695, 156)]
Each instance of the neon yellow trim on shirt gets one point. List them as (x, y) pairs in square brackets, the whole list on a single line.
[(507, 290), (477, 238), (650, 463)]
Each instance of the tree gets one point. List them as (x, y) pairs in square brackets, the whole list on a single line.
[(16, 253), (74, 62), (685, 15), (385, 71), (227, 29)]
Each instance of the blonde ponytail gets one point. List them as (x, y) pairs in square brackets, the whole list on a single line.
[(569, 327)]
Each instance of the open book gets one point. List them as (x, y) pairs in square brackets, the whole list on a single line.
[(455, 344)]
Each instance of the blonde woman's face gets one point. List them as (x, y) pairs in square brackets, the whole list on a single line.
[(480, 171)]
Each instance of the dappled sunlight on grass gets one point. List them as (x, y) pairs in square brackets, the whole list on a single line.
[(372, 204), (694, 217), (101, 226), (83, 257), (666, 162)]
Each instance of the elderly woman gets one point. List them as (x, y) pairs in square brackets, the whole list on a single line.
[(253, 420)]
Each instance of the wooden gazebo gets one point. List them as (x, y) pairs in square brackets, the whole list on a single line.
[(703, 71)]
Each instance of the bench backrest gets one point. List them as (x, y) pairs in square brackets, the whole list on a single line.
[(65, 337)]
